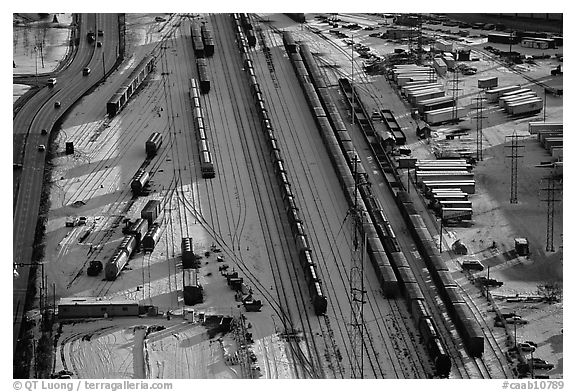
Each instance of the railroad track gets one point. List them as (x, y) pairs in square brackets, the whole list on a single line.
[(369, 339), (261, 189)]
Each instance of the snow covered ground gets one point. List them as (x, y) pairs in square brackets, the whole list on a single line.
[(240, 211), (38, 45)]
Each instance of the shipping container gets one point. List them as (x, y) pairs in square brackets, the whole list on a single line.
[(442, 115), (504, 102), (427, 94), (492, 95), (534, 127), (440, 66), (533, 105), (465, 186), (488, 82)]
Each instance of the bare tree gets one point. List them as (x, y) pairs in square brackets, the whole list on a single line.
[(551, 291)]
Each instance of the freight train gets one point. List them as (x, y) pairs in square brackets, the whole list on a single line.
[(197, 42), (207, 40), (305, 257), (140, 234), (117, 102), (248, 29), (206, 163), (203, 76), (468, 327), (390, 264)]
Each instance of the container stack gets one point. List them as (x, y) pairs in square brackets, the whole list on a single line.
[(405, 73), (447, 183), (550, 136)]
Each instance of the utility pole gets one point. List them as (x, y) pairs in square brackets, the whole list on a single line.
[(514, 146), (357, 290), (352, 80), (550, 202), (479, 133)]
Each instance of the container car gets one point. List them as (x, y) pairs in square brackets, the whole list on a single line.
[(139, 229), (153, 144), (139, 182), (115, 264), (117, 102), (188, 256), (207, 40), (151, 211), (151, 238), (128, 244), (192, 289)]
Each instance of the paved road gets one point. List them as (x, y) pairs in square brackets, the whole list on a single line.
[(39, 113)]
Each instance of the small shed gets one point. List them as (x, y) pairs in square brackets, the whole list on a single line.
[(95, 307)]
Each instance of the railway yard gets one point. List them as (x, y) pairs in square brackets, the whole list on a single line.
[(249, 196)]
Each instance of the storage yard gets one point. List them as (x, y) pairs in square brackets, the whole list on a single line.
[(251, 196)]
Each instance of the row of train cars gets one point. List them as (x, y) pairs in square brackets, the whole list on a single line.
[(305, 258), (390, 264)]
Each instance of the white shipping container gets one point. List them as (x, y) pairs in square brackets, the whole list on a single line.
[(417, 98), (531, 105), (504, 102), (410, 93), (494, 94), (425, 86), (402, 81), (440, 66), (441, 115)]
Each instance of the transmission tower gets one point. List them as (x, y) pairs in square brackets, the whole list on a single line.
[(514, 147), (419, 31), (455, 88), (550, 202), (357, 284), (479, 133)]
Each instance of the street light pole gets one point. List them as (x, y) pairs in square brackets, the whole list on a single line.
[(544, 120), (36, 64)]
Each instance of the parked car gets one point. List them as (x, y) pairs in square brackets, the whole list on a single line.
[(538, 363), (472, 265), (489, 282), (525, 347), (516, 320)]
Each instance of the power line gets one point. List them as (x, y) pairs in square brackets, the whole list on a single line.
[(357, 290), (550, 202), (479, 130), (514, 146)]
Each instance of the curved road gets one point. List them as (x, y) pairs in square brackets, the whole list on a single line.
[(39, 113)]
